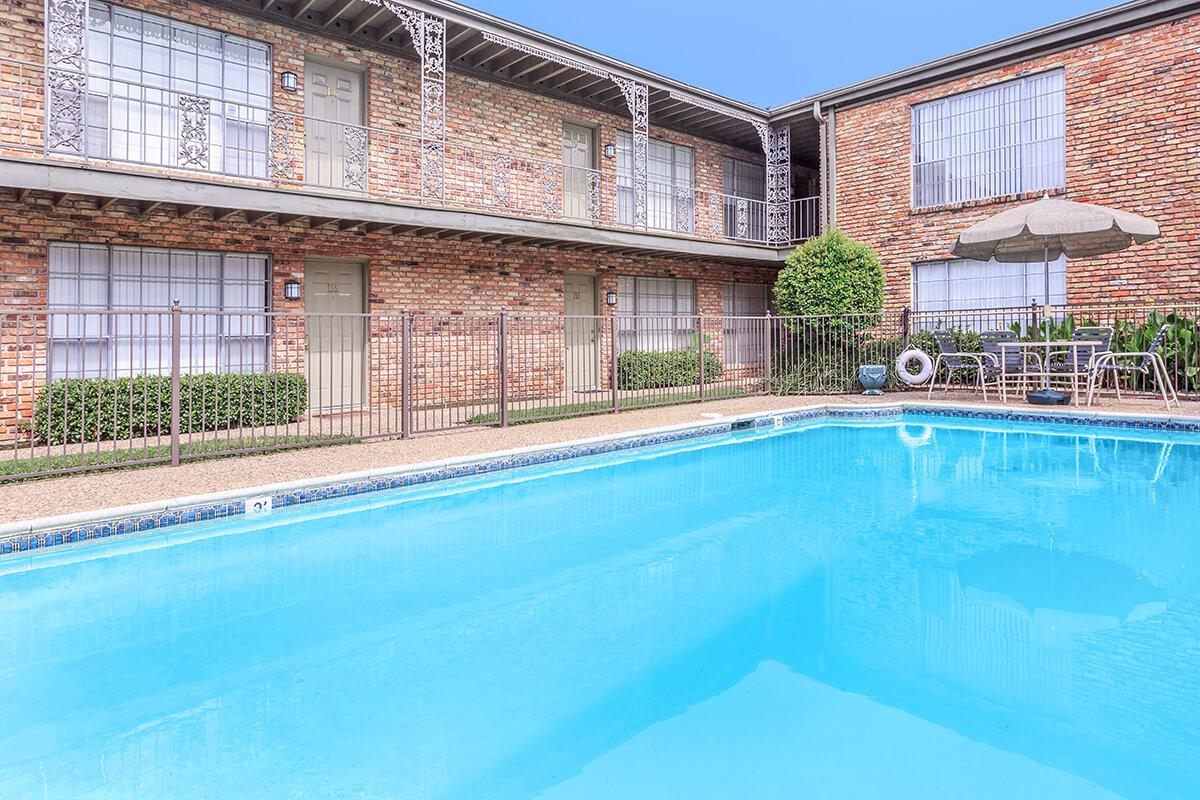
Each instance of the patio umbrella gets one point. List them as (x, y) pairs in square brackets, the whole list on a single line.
[(1049, 228)]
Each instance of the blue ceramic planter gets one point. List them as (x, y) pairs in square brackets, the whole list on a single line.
[(872, 377)]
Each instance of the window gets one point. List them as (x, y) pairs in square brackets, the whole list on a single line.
[(661, 311), (670, 184), (100, 278), (964, 285), (744, 337), (748, 181), (1005, 139), (139, 65)]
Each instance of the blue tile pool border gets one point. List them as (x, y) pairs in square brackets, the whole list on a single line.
[(34, 539)]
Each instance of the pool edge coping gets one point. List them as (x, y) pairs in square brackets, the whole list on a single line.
[(29, 536)]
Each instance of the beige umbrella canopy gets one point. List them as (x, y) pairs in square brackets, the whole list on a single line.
[(1051, 227)]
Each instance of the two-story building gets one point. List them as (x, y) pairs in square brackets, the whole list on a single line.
[(368, 156), (1104, 108)]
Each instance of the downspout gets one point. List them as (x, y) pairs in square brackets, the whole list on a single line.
[(827, 147), (823, 173)]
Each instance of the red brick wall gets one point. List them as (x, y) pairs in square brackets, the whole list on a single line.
[(1133, 142), (443, 277), (480, 114)]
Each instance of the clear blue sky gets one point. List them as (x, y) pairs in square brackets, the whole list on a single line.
[(770, 52)]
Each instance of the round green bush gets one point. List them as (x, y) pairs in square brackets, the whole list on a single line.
[(831, 274)]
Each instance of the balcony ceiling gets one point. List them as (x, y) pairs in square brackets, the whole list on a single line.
[(371, 26)]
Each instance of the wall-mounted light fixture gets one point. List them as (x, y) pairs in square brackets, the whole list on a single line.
[(291, 290), (289, 81), (610, 299), (610, 150)]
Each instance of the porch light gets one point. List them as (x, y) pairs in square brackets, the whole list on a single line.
[(610, 150), (289, 81), (291, 290), (610, 299)]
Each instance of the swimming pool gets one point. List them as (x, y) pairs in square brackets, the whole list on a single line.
[(908, 607)]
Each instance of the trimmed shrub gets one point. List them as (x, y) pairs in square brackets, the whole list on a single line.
[(831, 274), (649, 369), (75, 410)]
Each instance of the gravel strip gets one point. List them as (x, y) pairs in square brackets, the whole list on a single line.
[(74, 494)]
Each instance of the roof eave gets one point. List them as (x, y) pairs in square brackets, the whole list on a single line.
[(483, 21)]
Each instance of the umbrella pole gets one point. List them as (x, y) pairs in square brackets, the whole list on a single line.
[(1046, 309)]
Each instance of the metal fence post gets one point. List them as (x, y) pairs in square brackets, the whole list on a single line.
[(1033, 316), (406, 374), (904, 327), (176, 324), (700, 352), (767, 354), (612, 362), (503, 358)]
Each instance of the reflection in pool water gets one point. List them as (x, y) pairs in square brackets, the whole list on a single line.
[(837, 611)]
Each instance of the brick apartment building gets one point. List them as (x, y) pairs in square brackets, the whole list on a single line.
[(350, 156)]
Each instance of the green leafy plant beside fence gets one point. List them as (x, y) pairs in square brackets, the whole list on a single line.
[(74, 410), (833, 368), (1180, 349), (648, 369)]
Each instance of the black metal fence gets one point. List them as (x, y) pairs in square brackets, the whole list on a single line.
[(86, 389)]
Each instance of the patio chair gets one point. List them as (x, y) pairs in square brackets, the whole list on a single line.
[(1008, 362), (953, 359), (1151, 360), (1080, 361)]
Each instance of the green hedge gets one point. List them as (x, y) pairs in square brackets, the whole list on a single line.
[(76, 410), (648, 369)]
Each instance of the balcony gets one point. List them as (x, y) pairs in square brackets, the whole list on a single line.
[(102, 121)]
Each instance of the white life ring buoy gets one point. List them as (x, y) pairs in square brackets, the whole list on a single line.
[(920, 376)]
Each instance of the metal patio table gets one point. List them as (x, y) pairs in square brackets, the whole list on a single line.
[(1046, 373)]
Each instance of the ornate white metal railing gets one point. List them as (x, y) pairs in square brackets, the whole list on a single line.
[(103, 119)]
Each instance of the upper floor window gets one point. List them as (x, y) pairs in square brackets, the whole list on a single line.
[(747, 181), (1004, 139), (670, 184), (140, 65)]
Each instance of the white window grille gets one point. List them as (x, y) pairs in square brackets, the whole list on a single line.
[(662, 312), (960, 286), (670, 184), (142, 68), (745, 306), (101, 278), (1000, 140)]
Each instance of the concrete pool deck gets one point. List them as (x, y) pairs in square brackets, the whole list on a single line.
[(76, 494)]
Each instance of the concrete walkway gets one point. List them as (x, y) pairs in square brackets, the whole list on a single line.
[(79, 493)]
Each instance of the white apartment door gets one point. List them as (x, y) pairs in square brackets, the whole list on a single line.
[(334, 292), (335, 146), (582, 332), (578, 155)]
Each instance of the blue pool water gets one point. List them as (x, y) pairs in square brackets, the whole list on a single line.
[(875, 610)]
